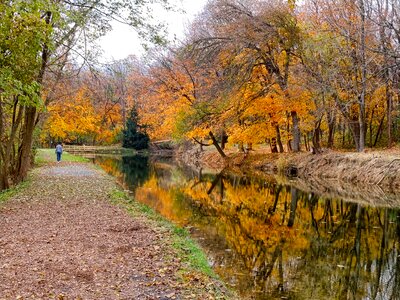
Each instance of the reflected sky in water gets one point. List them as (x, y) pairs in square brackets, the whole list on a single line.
[(272, 241)]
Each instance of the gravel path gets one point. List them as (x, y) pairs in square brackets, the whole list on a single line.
[(62, 239)]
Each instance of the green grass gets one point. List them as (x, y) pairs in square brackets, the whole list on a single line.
[(44, 156), (188, 250), (7, 194)]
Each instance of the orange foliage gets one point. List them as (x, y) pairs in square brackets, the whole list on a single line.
[(77, 119)]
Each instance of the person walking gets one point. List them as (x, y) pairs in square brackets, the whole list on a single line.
[(59, 151)]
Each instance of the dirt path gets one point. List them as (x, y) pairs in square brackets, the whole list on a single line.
[(60, 238)]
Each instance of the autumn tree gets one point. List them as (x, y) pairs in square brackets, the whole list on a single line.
[(37, 40), (164, 90), (343, 59), (267, 71), (384, 14), (260, 38)]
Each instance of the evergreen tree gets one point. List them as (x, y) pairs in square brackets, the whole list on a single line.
[(134, 135)]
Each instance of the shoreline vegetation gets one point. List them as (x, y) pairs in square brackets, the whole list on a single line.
[(370, 177), (167, 262)]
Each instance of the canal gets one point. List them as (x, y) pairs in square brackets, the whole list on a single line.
[(273, 241)]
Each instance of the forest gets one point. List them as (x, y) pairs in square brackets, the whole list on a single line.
[(292, 75)]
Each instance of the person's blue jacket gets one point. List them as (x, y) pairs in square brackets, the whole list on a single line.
[(59, 149)]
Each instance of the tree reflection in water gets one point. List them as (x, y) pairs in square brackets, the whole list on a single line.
[(283, 242), (132, 171)]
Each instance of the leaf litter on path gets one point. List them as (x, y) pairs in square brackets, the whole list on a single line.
[(61, 238)]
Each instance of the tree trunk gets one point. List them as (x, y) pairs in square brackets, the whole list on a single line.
[(224, 139), (354, 127), (278, 138), (306, 142), (215, 143), (386, 47), (26, 144), (295, 132), (378, 133), (3, 163), (289, 138), (274, 148), (343, 135), (316, 138), (4, 166), (361, 144), (24, 155), (370, 126), (361, 99), (331, 129), (389, 103)]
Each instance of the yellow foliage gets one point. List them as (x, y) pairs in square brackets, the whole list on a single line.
[(76, 116)]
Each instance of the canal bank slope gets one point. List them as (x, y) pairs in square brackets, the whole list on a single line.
[(377, 167), (70, 233), (370, 177)]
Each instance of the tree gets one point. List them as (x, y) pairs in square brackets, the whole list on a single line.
[(134, 135), (347, 38), (256, 45), (23, 31), (267, 71), (39, 39)]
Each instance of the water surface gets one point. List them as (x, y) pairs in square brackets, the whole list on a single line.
[(273, 241)]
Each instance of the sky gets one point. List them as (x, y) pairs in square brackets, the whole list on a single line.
[(123, 41)]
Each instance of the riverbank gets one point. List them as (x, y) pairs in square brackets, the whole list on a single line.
[(372, 177), (71, 233), (374, 168), (329, 164)]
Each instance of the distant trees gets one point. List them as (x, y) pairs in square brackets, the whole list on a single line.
[(90, 109), (290, 75), (255, 72), (234, 75), (285, 73), (40, 41)]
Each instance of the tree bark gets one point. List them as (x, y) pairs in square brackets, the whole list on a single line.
[(25, 148), (215, 143), (361, 103), (331, 129), (306, 142), (389, 102), (224, 139), (295, 132), (274, 148), (24, 161), (354, 128), (378, 133), (316, 138), (278, 138)]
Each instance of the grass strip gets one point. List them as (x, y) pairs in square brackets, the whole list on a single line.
[(44, 156), (11, 192), (188, 250)]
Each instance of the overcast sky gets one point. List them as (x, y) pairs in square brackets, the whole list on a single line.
[(123, 41)]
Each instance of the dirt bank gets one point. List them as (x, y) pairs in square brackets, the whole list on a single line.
[(372, 178), (368, 178), (376, 168), (62, 238), (360, 168)]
